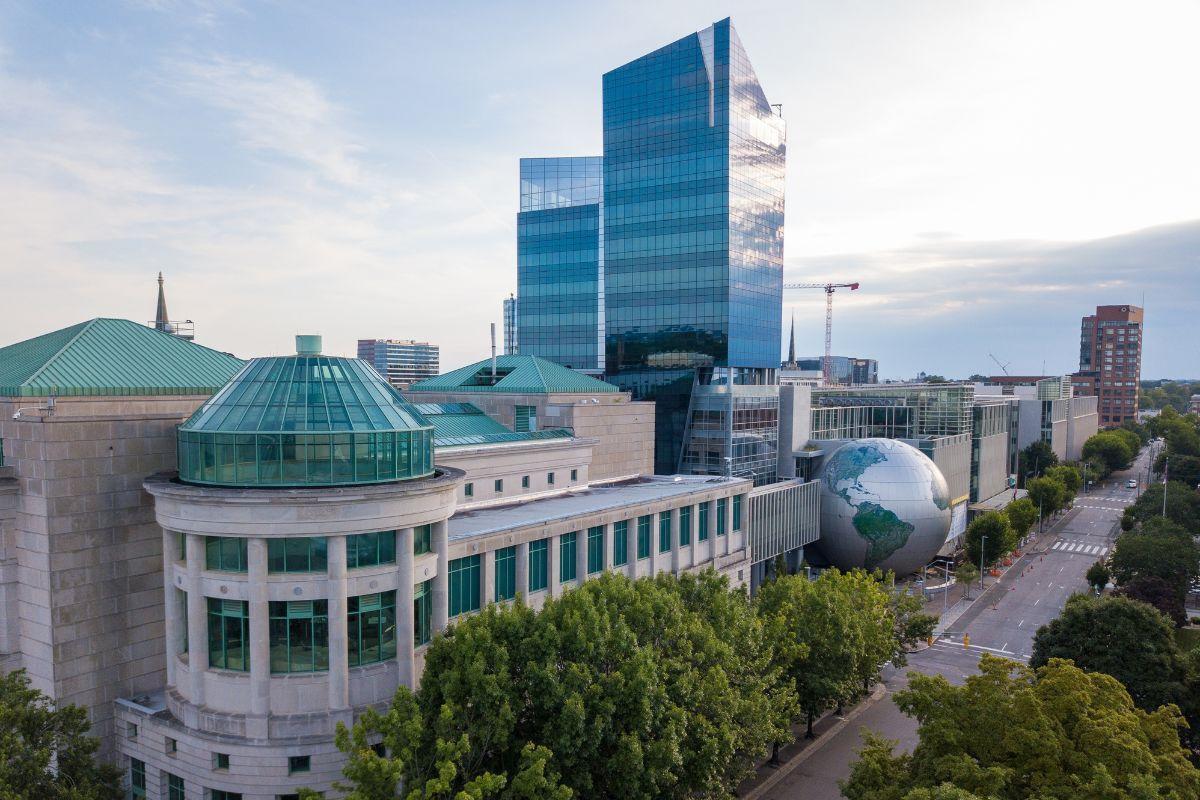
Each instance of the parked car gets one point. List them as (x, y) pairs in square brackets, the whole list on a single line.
[(1131, 484)]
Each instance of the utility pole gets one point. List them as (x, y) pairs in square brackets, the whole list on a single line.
[(1166, 469), (982, 550)]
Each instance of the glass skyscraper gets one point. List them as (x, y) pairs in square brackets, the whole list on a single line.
[(694, 160), (560, 261)]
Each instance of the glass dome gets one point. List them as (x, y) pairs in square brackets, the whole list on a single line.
[(305, 420)]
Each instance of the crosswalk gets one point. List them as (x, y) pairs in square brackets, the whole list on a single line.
[(1080, 547)]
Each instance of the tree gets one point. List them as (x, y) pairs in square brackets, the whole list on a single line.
[(1131, 439), (1034, 460), (1183, 505), (1097, 576), (911, 624), (1070, 478), (1184, 469), (1110, 449), (1012, 733), (1021, 513), (1173, 557), (1129, 640), (1139, 430), (1048, 494), (989, 534), (966, 574), (45, 752), (1154, 591)]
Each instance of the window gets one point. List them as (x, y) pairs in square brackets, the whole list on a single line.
[(137, 779), (499, 485), (171, 745), (643, 534), (464, 585), (422, 539), (685, 526), (371, 628), (506, 573), (181, 599), (221, 794), (221, 761), (225, 553), (299, 635), (550, 478), (175, 789), (131, 731), (182, 541), (524, 418), (702, 522), (574, 475), (423, 613), (298, 764), (228, 639), (566, 556), (595, 549), (737, 512), (539, 565), (524, 481), (620, 554), (664, 532), (370, 549), (722, 505), (468, 490), (296, 555)]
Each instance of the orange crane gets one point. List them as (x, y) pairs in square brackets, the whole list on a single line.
[(828, 288)]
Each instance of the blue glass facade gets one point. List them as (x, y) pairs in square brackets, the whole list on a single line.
[(560, 261), (693, 226)]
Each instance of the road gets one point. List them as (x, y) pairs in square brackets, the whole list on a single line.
[(1003, 623)]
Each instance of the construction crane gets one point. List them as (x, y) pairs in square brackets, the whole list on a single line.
[(1003, 367), (828, 288)]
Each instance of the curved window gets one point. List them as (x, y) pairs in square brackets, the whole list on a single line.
[(370, 549), (422, 539), (423, 613), (299, 636), (307, 554), (228, 634), (371, 628), (224, 553)]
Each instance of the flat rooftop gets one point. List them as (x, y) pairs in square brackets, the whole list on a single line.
[(592, 500)]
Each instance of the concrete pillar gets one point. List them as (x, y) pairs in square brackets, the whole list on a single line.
[(581, 571), (676, 564), (339, 656), (173, 614), (728, 526), (441, 581), (607, 546), (405, 628), (488, 576), (631, 547), (523, 570), (260, 626), (197, 619), (555, 566), (711, 515)]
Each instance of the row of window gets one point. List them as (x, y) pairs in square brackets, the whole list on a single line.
[(177, 789), (309, 554), (498, 483), (465, 574), (299, 631)]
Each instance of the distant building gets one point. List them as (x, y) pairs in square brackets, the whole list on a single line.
[(1110, 361), (1194, 404), (843, 370), (162, 321), (402, 362), (1048, 409), (510, 325)]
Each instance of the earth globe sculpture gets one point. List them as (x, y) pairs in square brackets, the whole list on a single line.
[(884, 504)]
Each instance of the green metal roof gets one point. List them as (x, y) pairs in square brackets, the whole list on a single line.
[(464, 424), (106, 357), (515, 375)]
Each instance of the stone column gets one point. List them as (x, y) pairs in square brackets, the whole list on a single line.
[(488, 576), (607, 545), (728, 525), (712, 530), (676, 556), (260, 627), (441, 581), (405, 627), (581, 551), (173, 615), (339, 656), (555, 566), (631, 547), (197, 619), (523, 570)]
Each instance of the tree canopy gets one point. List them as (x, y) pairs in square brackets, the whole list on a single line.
[(1070, 478), (1111, 449), (1014, 733), (989, 535), (1034, 460), (1183, 505), (1022, 513), (1047, 493), (1159, 550)]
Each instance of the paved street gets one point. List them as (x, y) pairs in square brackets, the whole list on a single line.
[(1003, 623)]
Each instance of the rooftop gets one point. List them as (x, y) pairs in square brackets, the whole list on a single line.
[(593, 500), (515, 375), (103, 357), (459, 424)]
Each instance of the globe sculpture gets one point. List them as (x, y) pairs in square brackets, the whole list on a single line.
[(884, 504)]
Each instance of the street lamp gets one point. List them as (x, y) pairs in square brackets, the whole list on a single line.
[(982, 550)]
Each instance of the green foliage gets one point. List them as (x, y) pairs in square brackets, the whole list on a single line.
[(1012, 733), (1139, 430), (1156, 592), (1022, 514), (1124, 638), (990, 534), (911, 624), (1048, 494), (45, 751), (1111, 449), (1158, 550), (1131, 439), (1034, 460), (1167, 395), (1098, 576), (1183, 505), (1071, 479), (965, 575), (1183, 469), (1182, 433)]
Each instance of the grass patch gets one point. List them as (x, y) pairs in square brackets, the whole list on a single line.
[(1187, 638)]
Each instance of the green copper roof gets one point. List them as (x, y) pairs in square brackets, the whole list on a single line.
[(457, 424), (104, 357), (515, 375)]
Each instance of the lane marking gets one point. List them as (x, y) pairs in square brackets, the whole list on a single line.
[(1019, 624), (1035, 602)]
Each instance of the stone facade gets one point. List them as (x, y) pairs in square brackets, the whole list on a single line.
[(548, 466)]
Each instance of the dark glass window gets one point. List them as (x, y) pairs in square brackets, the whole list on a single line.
[(499, 485), (574, 475), (175, 788), (137, 779), (468, 490), (305, 554), (737, 512), (299, 636), (370, 549), (371, 628), (464, 585), (422, 539), (524, 418), (643, 536), (620, 554), (702, 522), (539, 565), (566, 556), (722, 505), (595, 549), (228, 634), (685, 526), (224, 553), (221, 794), (550, 478), (298, 764), (664, 532), (221, 761), (524, 481), (506, 573), (423, 613)]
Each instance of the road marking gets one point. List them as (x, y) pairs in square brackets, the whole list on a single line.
[(1035, 602), (1057, 546), (1019, 624), (1060, 569), (1004, 647), (1103, 550)]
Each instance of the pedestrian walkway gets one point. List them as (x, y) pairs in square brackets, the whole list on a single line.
[(1065, 546)]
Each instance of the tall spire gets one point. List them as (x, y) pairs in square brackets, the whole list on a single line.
[(160, 316), (792, 343)]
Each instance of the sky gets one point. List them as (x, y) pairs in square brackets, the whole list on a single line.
[(989, 171)]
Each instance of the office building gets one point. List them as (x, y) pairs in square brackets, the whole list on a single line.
[(402, 362), (843, 370), (560, 261), (1110, 361), (510, 325), (1048, 409)]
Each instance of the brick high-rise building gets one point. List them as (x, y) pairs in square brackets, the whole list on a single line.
[(1110, 362)]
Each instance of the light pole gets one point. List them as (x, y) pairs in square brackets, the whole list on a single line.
[(1166, 470), (982, 550)]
